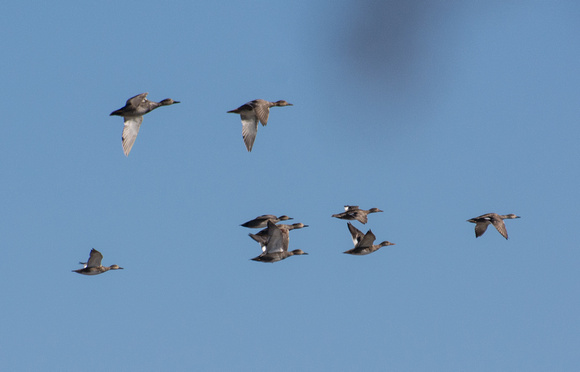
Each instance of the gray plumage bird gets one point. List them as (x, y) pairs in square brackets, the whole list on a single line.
[(262, 235), (253, 112), (353, 212), (132, 114), (495, 219), (93, 265), (276, 247), (262, 221), (363, 243)]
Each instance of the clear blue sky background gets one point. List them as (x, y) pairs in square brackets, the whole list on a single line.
[(434, 113)]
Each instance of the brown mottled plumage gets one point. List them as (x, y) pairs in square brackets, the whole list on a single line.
[(363, 244), (251, 113), (353, 212), (262, 236), (262, 221), (495, 219), (276, 246), (93, 265), (132, 113)]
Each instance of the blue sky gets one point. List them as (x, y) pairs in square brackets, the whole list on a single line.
[(433, 113)]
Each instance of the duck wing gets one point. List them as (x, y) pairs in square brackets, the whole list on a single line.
[(275, 239), (357, 235), (249, 128), (500, 226), (367, 240), (137, 100), (360, 216), (130, 131), (480, 227), (262, 112), (95, 258), (261, 239)]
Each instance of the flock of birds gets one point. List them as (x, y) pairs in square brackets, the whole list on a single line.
[(251, 113), (274, 238)]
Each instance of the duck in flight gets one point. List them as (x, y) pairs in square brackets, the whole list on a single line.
[(363, 243), (253, 112), (132, 113), (495, 219), (276, 247), (262, 221), (262, 235), (93, 265), (353, 212)]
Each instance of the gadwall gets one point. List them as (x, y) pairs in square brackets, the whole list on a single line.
[(276, 248), (363, 244), (133, 113), (251, 113), (93, 265), (495, 219), (262, 221), (352, 212), (262, 236)]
